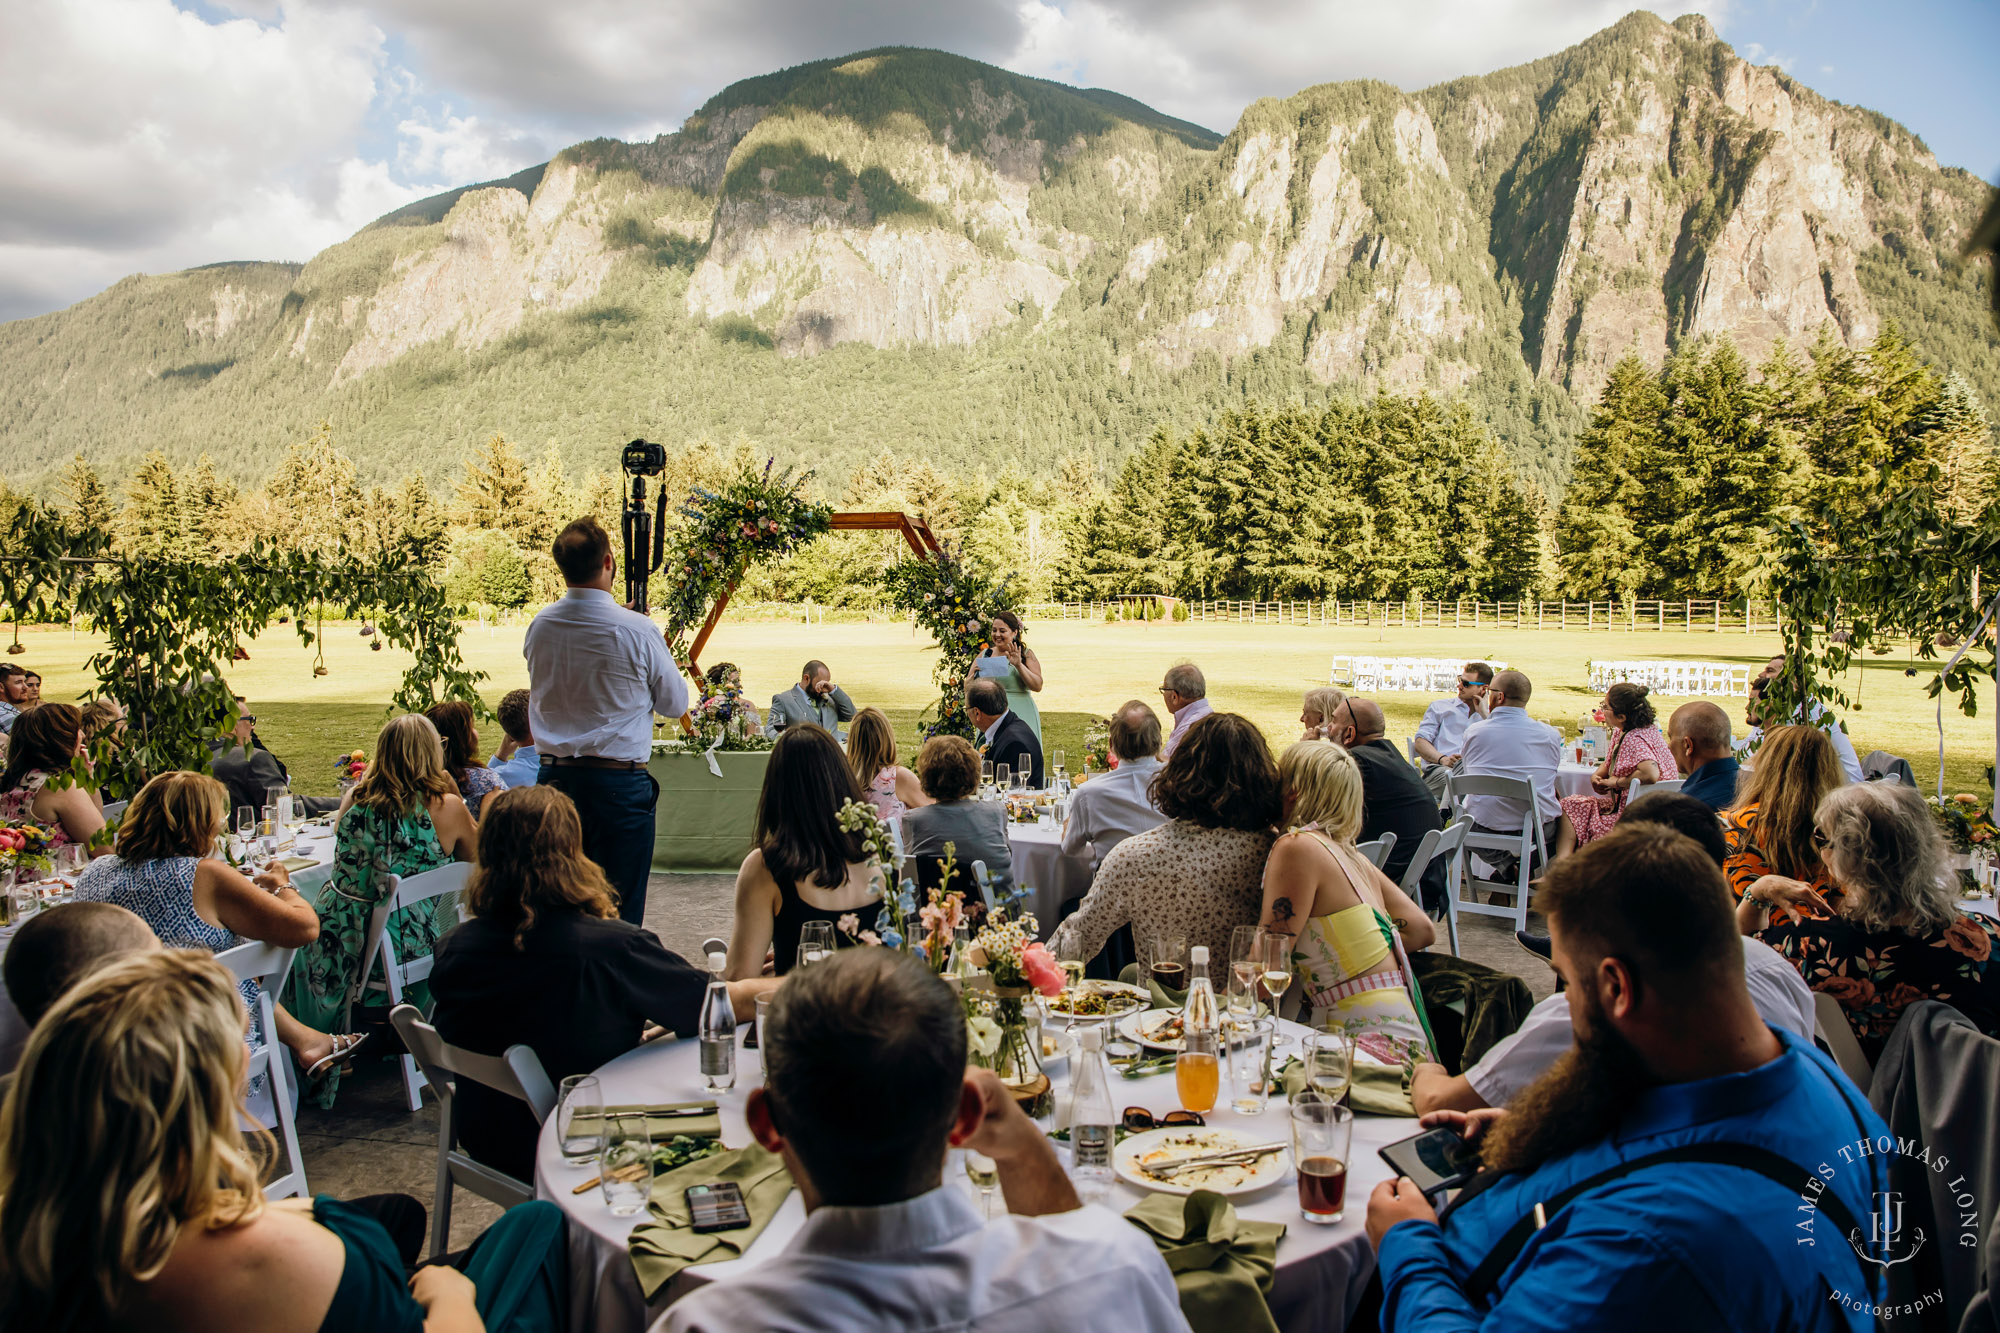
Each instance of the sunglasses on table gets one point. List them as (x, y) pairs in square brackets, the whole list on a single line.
[(1137, 1118)]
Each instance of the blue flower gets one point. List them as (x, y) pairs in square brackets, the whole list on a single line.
[(890, 938)]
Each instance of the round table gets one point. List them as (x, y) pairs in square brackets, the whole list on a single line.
[(1321, 1273), (1039, 864), (1573, 779)]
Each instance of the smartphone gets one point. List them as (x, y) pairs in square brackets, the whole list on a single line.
[(717, 1207), (1437, 1159)]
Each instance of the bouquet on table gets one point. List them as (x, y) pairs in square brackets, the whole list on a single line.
[(348, 768), (1097, 746), (24, 848), (1000, 1035)]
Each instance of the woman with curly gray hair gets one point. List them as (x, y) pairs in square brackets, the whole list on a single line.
[(1897, 936)]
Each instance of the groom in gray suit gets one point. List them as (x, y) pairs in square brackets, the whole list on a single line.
[(814, 699)]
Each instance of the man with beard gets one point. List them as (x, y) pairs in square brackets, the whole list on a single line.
[(1576, 1221)]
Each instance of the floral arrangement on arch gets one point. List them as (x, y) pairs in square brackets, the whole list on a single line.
[(955, 602), (758, 516), (1966, 821)]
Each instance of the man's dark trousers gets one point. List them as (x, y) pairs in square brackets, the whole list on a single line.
[(616, 807)]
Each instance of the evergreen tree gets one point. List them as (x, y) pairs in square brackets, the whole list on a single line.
[(1964, 436), (421, 529), (1512, 554), (212, 527), (314, 496), (88, 504), (555, 502), (153, 524), (1600, 551), (497, 494)]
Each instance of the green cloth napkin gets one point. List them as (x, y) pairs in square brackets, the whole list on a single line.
[(1222, 1265), (1375, 1089), (664, 1246), (660, 1126)]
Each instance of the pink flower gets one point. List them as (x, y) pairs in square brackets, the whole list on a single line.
[(849, 923), (870, 937), (1042, 970)]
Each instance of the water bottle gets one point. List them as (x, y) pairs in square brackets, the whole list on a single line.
[(718, 1030), (1092, 1119)]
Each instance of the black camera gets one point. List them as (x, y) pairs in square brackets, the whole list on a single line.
[(643, 458)]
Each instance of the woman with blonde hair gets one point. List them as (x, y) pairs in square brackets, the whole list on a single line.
[(404, 817), (1769, 831), (545, 961), (163, 871), (130, 1199), (871, 752), (1355, 928), (1318, 710)]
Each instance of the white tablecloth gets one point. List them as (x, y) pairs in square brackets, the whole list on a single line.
[(1322, 1270), (1040, 865), (1573, 779)]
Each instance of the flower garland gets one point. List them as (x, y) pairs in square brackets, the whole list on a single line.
[(755, 517), (956, 604)]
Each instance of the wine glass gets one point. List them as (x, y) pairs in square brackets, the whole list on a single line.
[(985, 774), (580, 1118), (984, 1173), (1244, 969), (1024, 770), (1330, 1063), (815, 943), (1003, 778), (1069, 956), (1056, 764), (246, 824), (1274, 961), (279, 797)]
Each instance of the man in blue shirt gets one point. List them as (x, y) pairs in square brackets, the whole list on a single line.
[(516, 761), (1698, 736), (1670, 1055), (1442, 732)]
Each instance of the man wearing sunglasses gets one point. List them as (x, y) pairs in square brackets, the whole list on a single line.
[(1441, 735), (242, 764)]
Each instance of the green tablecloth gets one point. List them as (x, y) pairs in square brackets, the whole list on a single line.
[(705, 822)]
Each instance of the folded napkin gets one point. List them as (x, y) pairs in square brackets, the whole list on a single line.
[(1222, 1265), (664, 1246), (661, 1125), (1372, 1090)]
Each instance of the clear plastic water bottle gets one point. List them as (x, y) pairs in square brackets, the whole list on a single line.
[(1092, 1117), (718, 1030)]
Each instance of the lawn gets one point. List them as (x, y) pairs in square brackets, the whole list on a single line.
[(1258, 670)]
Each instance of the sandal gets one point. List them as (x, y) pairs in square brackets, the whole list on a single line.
[(345, 1044)]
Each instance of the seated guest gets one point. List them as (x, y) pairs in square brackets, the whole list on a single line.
[(1698, 734), (1393, 798), (815, 699), (515, 761), (1318, 708), (1670, 1054), (1004, 738), (1185, 692), (1441, 735), (865, 1091), (1510, 744), (1639, 754), (132, 1083), (948, 768), (1199, 874), (404, 817), (45, 742), (885, 784), (1898, 936), (805, 867), (1354, 927), (1112, 806), (164, 870), (1770, 829), (250, 771), (103, 716), (1813, 714), (1545, 1035), (31, 690), (13, 693), (455, 727), (726, 676), (57, 948), (546, 962)]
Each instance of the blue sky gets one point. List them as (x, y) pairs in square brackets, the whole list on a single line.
[(152, 135)]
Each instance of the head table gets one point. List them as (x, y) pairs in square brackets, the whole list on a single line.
[(1322, 1270)]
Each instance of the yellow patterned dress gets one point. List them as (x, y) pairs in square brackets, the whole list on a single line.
[(1356, 973)]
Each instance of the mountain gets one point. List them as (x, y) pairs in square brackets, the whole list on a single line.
[(908, 249)]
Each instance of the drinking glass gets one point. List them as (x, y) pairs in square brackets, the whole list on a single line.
[(279, 797), (246, 823), (582, 1100), (1070, 958), (815, 944), (1322, 1131), (1250, 1066), (69, 861), (1167, 961), (984, 1173), (1329, 1064), (7, 913), (1056, 764), (1244, 969), (1274, 957), (985, 774), (625, 1169), (1024, 770), (1198, 1080), (763, 1017), (1003, 778)]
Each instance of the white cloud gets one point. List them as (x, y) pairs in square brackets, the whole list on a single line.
[(463, 149), (1759, 54)]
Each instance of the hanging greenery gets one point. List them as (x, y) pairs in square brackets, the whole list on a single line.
[(756, 517), (955, 602), (173, 626)]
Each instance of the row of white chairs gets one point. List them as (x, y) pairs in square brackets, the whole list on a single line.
[(1713, 679), (1392, 675)]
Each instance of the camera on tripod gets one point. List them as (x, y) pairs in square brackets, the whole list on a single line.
[(645, 533)]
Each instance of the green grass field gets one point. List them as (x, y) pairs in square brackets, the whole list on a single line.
[(1258, 670)]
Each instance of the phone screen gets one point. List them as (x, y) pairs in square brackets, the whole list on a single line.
[(717, 1207), (1437, 1159)]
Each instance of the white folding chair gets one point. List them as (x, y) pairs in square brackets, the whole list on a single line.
[(518, 1073), (1525, 845), (267, 964), (1838, 1036), (1641, 788), (113, 809), (397, 972), (1377, 850)]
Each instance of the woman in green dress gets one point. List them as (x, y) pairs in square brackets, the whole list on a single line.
[(403, 818), (1013, 664)]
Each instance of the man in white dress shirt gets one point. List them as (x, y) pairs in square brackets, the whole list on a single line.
[(597, 673), (865, 1090), (1185, 692), (1112, 806), (1442, 732), (1812, 714), (1510, 744)]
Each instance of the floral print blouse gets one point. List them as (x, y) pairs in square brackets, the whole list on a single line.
[(1877, 974)]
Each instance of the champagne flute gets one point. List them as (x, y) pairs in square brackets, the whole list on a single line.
[(1070, 958), (1003, 778), (984, 1173), (1330, 1063), (1274, 961), (1244, 969), (1024, 771), (1057, 766), (985, 774)]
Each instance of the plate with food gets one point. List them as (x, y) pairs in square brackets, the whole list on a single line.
[(1098, 999), (1157, 1028), (1150, 1160)]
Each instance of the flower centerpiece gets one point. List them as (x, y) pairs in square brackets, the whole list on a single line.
[(1967, 824), (24, 848), (348, 768), (955, 602), (1097, 746), (1008, 1042), (724, 717)]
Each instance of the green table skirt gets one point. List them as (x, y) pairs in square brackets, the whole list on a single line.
[(704, 822)]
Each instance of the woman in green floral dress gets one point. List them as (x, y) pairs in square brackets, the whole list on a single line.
[(403, 818)]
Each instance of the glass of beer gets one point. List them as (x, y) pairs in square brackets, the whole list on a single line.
[(1322, 1130)]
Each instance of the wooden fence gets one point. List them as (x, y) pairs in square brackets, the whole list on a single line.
[(1709, 615)]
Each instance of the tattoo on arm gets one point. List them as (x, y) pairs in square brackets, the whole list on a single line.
[(1281, 910)]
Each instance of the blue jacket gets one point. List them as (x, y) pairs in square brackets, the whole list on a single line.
[(1714, 783), (1680, 1247)]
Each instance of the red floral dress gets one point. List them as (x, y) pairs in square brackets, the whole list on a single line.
[(1593, 815), (1877, 974)]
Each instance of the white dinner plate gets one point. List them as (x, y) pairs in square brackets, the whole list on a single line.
[(1141, 1024), (1115, 991), (1195, 1141)]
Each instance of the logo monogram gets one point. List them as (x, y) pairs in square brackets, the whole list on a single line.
[(1885, 1227)]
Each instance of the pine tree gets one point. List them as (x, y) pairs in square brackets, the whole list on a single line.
[(497, 493), (555, 502), (211, 513), (1512, 551), (1600, 552), (314, 496), (1963, 438), (421, 529), (153, 524), (88, 504)]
